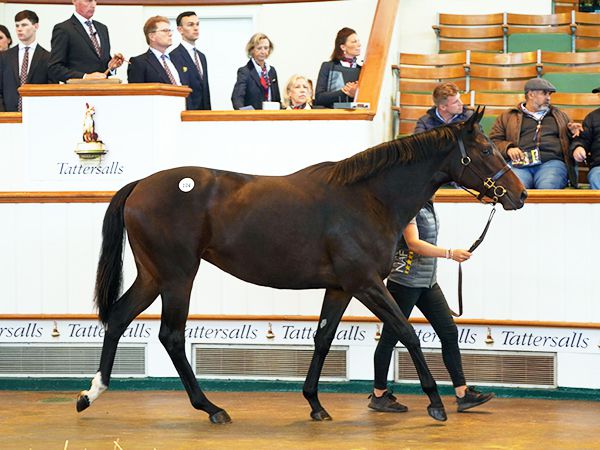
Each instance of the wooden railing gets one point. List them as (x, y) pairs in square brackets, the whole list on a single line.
[(442, 196), (294, 318)]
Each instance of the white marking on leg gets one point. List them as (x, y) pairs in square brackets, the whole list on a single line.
[(97, 388), (323, 323)]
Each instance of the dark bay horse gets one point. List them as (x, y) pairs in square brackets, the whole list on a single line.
[(332, 225)]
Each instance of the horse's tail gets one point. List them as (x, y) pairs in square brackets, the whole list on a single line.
[(109, 276)]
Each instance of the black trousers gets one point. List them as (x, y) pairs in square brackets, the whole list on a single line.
[(433, 305)]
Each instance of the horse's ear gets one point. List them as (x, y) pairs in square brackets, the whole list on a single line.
[(472, 120), (480, 112)]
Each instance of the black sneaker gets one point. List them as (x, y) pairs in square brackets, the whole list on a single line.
[(472, 398), (386, 403)]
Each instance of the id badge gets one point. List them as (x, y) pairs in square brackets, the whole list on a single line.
[(530, 158)]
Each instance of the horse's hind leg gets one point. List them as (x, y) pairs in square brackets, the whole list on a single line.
[(176, 299), (334, 305), (378, 299), (138, 297)]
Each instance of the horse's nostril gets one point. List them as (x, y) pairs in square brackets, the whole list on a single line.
[(523, 196)]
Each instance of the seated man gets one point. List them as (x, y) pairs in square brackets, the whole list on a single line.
[(535, 137), (589, 143), (447, 108)]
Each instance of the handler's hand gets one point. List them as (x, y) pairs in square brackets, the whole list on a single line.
[(460, 255)]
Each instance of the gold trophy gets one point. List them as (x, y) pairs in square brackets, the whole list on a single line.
[(91, 148)]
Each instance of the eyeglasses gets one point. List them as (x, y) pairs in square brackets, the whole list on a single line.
[(163, 30)]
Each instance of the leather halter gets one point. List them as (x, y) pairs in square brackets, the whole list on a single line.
[(488, 183)]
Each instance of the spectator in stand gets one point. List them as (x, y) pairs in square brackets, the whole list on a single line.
[(156, 66), (586, 146), (24, 63), (535, 138), (80, 46), (5, 39), (188, 26), (447, 108), (338, 78), (257, 80), (297, 93)]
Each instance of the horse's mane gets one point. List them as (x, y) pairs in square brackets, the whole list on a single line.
[(401, 151)]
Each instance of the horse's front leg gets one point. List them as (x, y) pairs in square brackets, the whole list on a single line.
[(334, 305), (381, 303)]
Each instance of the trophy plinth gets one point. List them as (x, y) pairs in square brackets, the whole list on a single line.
[(91, 150)]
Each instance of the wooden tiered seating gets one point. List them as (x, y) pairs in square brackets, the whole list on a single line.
[(565, 6), (501, 71), (587, 31), (422, 73), (483, 32), (527, 32), (553, 62)]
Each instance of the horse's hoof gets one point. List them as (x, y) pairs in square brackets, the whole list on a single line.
[(220, 417), (83, 402), (320, 415), (438, 413)]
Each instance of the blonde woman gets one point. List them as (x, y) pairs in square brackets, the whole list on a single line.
[(297, 93), (256, 81)]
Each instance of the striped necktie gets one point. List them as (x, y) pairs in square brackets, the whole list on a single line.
[(169, 73), (198, 65), (23, 75), (94, 38)]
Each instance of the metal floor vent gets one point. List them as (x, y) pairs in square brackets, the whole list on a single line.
[(68, 360), (256, 361), (486, 366)]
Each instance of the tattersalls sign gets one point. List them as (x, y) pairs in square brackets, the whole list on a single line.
[(577, 350)]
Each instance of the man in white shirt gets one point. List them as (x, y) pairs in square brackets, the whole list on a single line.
[(156, 66), (24, 63), (188, 26), (81, 46)]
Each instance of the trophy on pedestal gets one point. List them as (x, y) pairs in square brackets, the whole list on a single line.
[(91, 148)]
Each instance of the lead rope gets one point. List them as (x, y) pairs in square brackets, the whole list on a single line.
[(476, 244)]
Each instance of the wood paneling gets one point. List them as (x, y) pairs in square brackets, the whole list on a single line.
[(66, 90), (375, 66), (313, 114)]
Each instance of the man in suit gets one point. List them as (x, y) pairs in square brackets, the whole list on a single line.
[(188, 26), (81, 46), (24, 63), (156, 66)]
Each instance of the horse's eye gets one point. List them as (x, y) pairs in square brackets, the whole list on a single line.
[(487, 151)]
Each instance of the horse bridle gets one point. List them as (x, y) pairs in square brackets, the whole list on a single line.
[(488, 183)]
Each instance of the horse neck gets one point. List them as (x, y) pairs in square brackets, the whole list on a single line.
[(403, 189)]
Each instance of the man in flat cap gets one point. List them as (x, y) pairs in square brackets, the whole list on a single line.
[(535, 137), (586, 147)]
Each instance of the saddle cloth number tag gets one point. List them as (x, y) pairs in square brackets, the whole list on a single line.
[(530, 158)]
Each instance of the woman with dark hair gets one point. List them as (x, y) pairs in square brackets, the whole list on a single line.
[(5, 39), (338, 77), (256, 81)]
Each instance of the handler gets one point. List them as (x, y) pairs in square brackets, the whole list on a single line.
[(412, 282)]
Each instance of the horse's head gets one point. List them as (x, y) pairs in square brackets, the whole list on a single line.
[(479, 165)]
